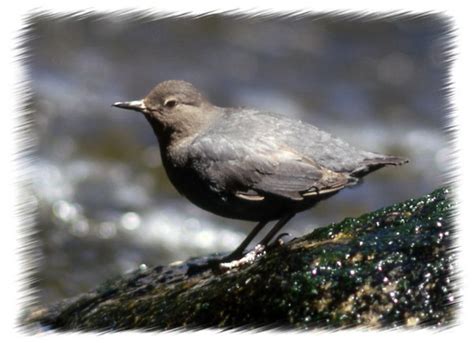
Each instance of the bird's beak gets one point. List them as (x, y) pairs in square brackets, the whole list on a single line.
[(137, 105)]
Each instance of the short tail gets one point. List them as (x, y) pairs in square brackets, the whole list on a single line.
[(371, 164)]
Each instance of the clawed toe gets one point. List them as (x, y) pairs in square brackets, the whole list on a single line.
[(278, 242), (247, 259)]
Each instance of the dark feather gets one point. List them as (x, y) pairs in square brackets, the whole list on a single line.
[(262, 169), (273, 157), (371, 164)]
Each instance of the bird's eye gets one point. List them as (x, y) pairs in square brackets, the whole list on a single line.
[(170, 103)]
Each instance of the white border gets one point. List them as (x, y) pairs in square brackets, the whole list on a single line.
[(12, 171)]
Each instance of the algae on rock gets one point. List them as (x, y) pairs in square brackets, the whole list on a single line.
[(389, 268)]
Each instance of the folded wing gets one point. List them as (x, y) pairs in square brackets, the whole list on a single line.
[(265, 168)]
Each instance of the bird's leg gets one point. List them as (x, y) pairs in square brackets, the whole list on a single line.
[(235, 259), (264, 242), (237, 253)]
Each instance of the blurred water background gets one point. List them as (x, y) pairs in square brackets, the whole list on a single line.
[(104, 203)]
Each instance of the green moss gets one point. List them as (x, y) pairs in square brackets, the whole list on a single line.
[(392, 267)]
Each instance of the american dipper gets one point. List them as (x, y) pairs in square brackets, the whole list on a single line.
[(248, 164)]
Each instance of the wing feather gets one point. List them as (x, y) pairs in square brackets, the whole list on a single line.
[(255, 170)]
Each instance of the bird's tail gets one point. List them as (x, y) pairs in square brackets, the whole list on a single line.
[(374, 163)]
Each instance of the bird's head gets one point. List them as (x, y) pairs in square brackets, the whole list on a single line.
[(173, 107)]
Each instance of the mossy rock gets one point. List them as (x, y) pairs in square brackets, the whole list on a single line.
[(389, 268)]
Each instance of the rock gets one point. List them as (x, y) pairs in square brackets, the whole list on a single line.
[(389, 268)]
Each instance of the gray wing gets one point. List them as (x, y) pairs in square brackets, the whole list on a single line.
[(253, 167), (307, 140)]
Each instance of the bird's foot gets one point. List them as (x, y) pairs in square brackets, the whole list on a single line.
[(251, 256), (247, 259)]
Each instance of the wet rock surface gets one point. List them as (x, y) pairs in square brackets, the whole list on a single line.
[(394, 267)]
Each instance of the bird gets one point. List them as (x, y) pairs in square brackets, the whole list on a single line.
[(248, 164)]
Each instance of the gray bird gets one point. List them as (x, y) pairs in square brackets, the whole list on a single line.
[(248, 164)]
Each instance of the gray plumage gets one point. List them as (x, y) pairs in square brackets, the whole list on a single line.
[(248, 164)]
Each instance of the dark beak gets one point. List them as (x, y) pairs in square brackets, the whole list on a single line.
[(136, 105)]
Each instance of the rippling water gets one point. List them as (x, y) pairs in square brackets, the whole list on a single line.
[(105, 205)]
